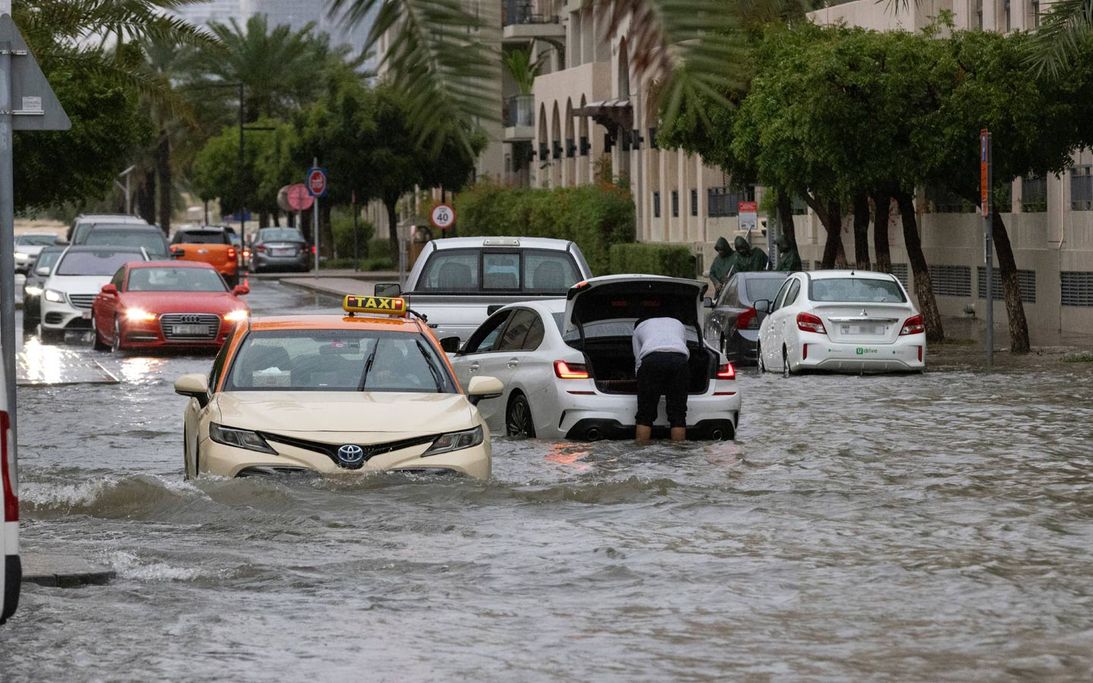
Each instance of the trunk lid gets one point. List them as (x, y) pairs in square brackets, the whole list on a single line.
[(625, 298)]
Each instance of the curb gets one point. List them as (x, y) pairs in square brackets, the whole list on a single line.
[(55, 571), (314, 287)]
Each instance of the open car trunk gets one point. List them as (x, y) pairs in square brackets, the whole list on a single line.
[(611, 363)]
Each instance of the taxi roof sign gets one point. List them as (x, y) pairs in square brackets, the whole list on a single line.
[(383, 305)]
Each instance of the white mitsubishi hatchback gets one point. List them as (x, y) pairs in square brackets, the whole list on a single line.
[(567, 365), (844, 321)]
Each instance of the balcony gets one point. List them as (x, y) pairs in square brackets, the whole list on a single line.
[(521, 23), (518, 114)]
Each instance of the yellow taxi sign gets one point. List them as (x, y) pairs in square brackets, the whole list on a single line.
[(386, 305)]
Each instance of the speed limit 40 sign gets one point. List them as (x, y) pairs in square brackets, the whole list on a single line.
[(442, 217)]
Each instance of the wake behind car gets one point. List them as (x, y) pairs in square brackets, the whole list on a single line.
[(567, 365), (732, 324), (160, 304), (841, 320), (368, 391), (76, 280)]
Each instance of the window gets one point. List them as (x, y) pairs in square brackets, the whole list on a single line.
[(451, 270), (485, 337), (535, 335), (546, 271), (200, 237), (169, 279), (218, 366), (151, 241), (656, 205), (781, 295), (1034, 194), (534, 270), (1034, 14), (694, 202), (724, 201), (500, 271), (675, 203), (119, 278), (794, 290), (857, 290), (1081, 188), (517, 330), (762, 288), (95, 262)]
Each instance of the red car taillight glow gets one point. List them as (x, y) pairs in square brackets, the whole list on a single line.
[(231, 252), (748, 320), (726, 371), (807, 322), (566, 370), (914, 325)]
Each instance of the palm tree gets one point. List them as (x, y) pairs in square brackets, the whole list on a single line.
[(444, 56), (1063, 29)]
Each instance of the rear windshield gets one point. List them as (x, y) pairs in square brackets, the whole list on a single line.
[(762, 288), (95, 262), (856, 290), (282, 235), (169, 279), (338, 360), (151, 240), (36, 240), (200, 237), (537, 271)]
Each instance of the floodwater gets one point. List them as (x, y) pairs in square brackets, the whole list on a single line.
[(934, 527)]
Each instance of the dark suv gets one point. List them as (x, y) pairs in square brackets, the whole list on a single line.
[(149, 237)]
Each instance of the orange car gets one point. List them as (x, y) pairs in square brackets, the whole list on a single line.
[(210, 244)]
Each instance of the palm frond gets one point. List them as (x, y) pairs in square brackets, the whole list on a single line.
[(443, 59), (1063, 29)]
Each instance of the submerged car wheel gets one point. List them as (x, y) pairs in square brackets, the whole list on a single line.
[(115, 345), (759, 357), (518, 418), (96, 339)]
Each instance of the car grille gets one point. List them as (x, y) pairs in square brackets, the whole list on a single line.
[(81, 300), (331, 450), (189, 325)]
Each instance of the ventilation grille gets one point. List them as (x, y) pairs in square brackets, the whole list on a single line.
[(1077, 288), (1026, 282), (900, 270), (951, 280)]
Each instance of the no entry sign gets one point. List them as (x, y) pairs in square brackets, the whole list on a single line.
[(316, 182)]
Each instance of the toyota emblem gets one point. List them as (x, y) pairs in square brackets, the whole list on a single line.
[(350, 455)]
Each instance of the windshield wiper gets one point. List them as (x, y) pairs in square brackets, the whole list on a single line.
[(368, 365), (432, 368)]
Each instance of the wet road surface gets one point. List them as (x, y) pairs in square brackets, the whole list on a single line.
[(933, 527)]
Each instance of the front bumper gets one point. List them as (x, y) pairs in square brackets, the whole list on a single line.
[(818, 352), (149, 335), (64, 316), (229, 461)]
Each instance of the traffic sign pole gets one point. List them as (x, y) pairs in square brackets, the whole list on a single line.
[(315, 220), (985, 172)]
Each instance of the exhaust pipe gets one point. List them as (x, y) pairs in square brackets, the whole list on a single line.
[(717, 434), (593, 434)]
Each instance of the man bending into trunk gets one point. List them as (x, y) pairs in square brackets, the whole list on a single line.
[(660, 356)]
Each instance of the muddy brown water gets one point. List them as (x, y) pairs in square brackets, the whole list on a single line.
[(933, 527)]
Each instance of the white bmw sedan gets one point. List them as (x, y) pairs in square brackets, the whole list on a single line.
[(841, 320), (567, 365)]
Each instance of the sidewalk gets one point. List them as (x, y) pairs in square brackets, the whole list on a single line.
[(335, 282)]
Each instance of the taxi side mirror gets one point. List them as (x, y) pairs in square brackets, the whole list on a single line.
[(450, 344), (194, 385), (240, 290), (762, 305), (109, 289), (483, 387), (387, 289)]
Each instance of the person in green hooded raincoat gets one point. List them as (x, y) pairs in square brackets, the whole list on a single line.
[(722, 263), (789, 261), (748, 259)]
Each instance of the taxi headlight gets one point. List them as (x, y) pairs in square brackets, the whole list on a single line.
[(55, 296), (455, 441), (139, 315), (34, 290), (237, 316), (239, 438)]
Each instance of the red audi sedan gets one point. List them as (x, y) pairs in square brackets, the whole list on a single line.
[(160, 304)]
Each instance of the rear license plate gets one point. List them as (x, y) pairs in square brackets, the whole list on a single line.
[(282, 252), (863, 329), (190, 330)]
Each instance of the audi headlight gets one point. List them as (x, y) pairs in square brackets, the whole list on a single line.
[(33, 290), (237, 316), (455, 441), (55, 296), (139, 315), (239, 438)]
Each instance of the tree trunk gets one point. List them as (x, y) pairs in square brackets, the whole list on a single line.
[(882, 202), (924, 289), (163, 181), (146, 197), (861, 231), (391, 204), (785, 218), (1011, 290), (263, 219), (830, 215)]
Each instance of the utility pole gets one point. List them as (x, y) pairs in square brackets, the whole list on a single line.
[(985, 180)]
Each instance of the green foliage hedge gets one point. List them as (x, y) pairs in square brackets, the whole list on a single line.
[(594, 216), (341, 223), (655, 259)]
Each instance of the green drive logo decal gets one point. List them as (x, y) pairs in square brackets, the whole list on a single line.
[(861, 350)]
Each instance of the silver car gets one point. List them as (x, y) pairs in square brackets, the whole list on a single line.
[(279, 249)]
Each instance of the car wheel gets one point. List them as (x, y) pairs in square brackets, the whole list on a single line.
[(115, 344), (518, 418), (30, 323), (96, 338), (49, 336), (759, 357)]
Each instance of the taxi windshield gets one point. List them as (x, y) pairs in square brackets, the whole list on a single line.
[(338, 360)]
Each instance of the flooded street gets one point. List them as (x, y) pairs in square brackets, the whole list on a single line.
[(934, 527)]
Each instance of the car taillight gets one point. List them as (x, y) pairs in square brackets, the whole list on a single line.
[(913, 325), (566, 370), (748, 320), (261, 248), (231, 252), (7, 474), (726, 371), (807, 322), (312, 249)]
